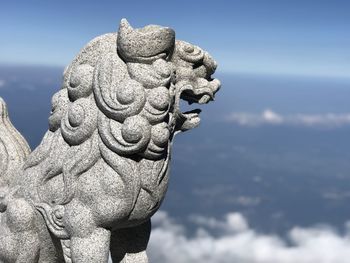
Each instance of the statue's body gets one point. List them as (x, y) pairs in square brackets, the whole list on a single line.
[(101, 171)]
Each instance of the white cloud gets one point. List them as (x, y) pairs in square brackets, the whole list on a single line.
[(246, 200), (273, 118), (234, 222), (239, 243), (336, 195)]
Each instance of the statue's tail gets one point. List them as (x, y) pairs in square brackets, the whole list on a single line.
[(14, 149), (53, 217)]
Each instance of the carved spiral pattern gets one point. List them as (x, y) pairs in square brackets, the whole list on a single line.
[(151, 75), (189, 52), (159, 141), (80, 121), (157, 105), (59, 103), (128, 138), (116, 94), (160, 134), (80, 82)]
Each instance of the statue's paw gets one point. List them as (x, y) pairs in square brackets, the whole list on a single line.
[(20, 215)]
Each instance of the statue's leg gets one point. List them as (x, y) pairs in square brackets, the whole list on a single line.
[(88, 241), (18, 230), (93, 248), (129, 244)]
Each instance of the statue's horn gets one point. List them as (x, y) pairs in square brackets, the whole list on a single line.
[(145, 44), (125, 27)]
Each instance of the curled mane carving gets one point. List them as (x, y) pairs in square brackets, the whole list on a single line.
[(119, 108)]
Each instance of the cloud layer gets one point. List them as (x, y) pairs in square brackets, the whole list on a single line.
[(269, 117), (232, 241)]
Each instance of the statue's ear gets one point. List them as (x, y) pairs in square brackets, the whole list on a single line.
[(14, 149)]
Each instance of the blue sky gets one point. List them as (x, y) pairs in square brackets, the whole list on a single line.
[(301, 37)]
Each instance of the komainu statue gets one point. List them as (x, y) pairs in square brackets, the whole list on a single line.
[(102, 169)]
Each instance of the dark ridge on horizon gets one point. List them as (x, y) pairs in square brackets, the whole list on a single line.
[(219, 73), (29, 66)]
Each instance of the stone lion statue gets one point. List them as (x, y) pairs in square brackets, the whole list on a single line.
[(102, 169)]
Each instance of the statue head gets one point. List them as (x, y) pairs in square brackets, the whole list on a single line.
[(120, 103), (159, 62)]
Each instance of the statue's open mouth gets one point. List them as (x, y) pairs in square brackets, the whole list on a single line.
[(200, 91), (189, 119), (192, 115), (198, 96), (194, 93)]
